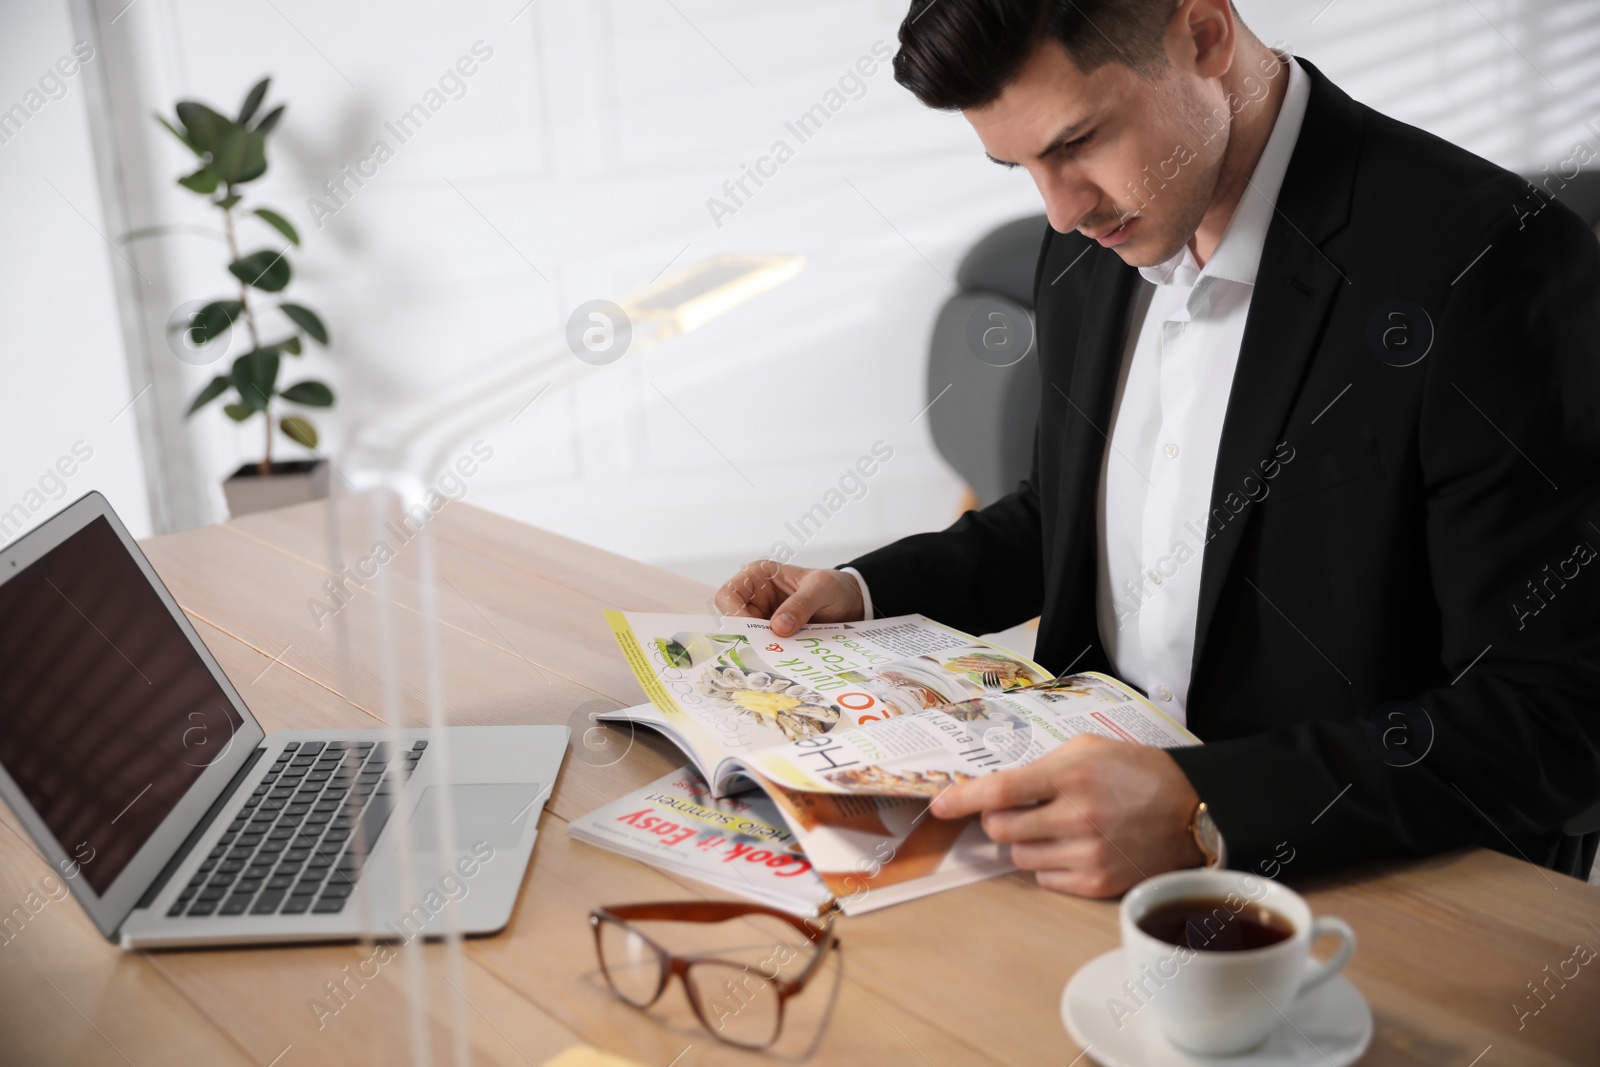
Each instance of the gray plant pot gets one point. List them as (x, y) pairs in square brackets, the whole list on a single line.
[(291, 482)]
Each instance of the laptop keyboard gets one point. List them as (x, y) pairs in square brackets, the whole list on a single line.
[(303, 835)]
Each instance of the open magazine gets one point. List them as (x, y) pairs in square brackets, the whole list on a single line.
[(852, 728)]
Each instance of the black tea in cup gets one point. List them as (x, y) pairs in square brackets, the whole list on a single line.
[(1208, 924)]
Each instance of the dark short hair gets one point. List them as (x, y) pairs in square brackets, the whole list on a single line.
[(959, 54)]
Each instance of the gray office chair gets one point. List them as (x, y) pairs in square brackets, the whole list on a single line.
[(982, 369), (1580, 193)]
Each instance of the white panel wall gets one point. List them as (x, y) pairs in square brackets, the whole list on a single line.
[(578, 164), (66, 386), (1516, 81)]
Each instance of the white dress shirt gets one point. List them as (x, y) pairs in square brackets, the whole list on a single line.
[(1172, 393), (1166, 424)]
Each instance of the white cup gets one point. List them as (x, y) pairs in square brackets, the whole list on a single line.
[(1221, 1002)]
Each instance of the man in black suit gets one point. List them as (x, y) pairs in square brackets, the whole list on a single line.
[(1323, 483)]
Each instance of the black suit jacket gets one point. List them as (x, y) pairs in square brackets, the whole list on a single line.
[(1421, 533)]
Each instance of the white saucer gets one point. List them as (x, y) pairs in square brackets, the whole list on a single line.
[(1332, 1026)]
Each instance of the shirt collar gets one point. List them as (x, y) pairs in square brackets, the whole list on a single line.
[(1238, 254)]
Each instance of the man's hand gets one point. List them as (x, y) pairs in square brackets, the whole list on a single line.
[(1092, 818), (790, 596)]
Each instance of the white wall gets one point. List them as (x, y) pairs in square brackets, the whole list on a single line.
[(66, 382), (589, 145), (1513, 80), (585, 150)]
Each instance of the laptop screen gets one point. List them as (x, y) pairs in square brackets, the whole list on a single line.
[(107, 714)]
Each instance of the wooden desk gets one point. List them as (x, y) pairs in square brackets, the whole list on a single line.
[(973, 976)]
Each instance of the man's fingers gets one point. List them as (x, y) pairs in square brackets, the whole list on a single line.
[(1083, 866), (791, 596), (731, 599), (1065, 854), (1041, 822), (743, 595), (751, 593), (1003, 789), (796, 611), (816, 593), (1094, 884)]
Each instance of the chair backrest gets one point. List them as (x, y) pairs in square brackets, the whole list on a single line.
[(1581, 192), (982, 371)]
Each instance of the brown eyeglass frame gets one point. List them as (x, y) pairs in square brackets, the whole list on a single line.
[(673, 965)]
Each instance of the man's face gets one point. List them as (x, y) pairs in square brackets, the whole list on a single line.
[(1111, 149)]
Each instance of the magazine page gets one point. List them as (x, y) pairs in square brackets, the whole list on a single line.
[(728, 686), (650, 717), (873, 851), (925, 752), (739, 844)]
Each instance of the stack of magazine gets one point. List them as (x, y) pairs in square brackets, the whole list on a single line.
[(735, 843), (821, 752)]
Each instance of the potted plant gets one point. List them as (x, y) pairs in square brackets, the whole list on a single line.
[(233, 153)]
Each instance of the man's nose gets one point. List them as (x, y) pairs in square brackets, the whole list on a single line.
[(1067, 201)]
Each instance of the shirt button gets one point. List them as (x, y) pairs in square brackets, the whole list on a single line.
[(1172, 451), (1155, 576), (1163, 693)]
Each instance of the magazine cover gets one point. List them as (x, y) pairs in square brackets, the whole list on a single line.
[(740, 844)]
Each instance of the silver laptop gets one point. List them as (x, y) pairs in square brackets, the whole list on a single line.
[(175, 820)]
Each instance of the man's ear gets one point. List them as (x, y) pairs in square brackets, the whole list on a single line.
[(1202, 36)]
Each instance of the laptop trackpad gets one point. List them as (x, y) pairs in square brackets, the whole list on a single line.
[(496, 813)]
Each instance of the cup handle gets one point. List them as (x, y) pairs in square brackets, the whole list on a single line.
[(1319, 971)]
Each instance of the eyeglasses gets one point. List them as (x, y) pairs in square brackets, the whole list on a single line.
[(739, 1004)]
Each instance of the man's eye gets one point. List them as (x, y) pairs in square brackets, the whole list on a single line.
[(1074, 145)]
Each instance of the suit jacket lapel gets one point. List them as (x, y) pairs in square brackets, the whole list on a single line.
[(1295, 286)]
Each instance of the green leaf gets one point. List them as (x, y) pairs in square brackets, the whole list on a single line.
[(264, 127), (258, 92), (238, 412), (277, 222), (255, 157), (207, 129), (266, 270), (291, 345), (213, 320), (299, 430), (202, 181), (218, 386), (307, 320), (228, 201), (242, 156), (255, 375), (311, 394), (179, 134)]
